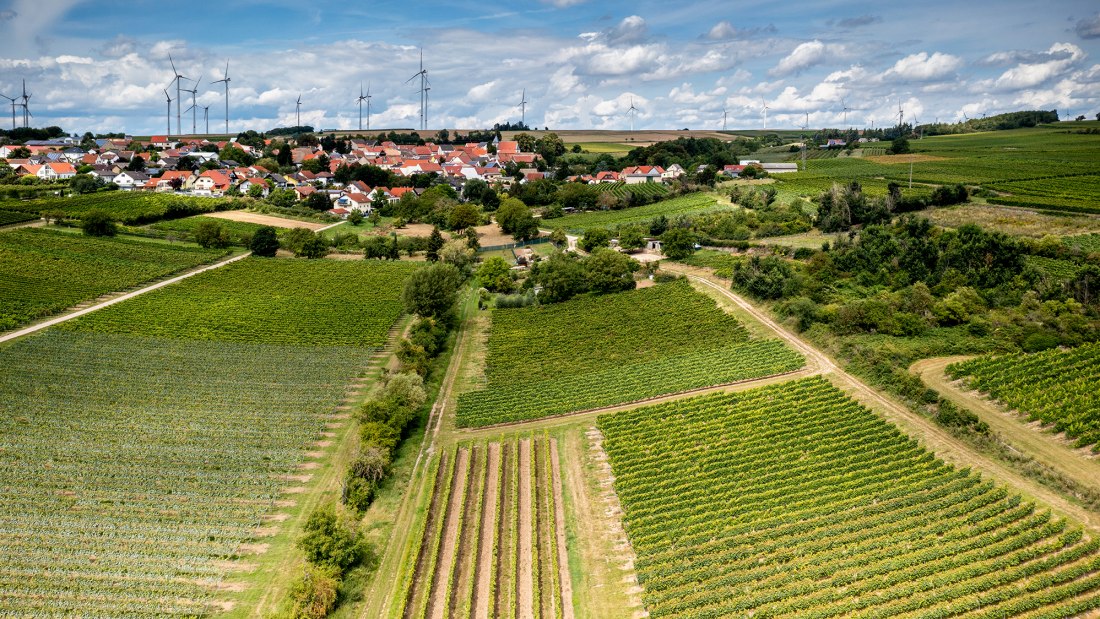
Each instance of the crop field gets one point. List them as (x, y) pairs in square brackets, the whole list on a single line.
[(682, 205), (44, 272), (185, 228), (1085, 242), (1041, 167), (1060, 271), (134, 468), (795, 501), (128, 207), (271, 301), (640, 189), (492, 541), (600, 351), (8, 218), (1055, 387)]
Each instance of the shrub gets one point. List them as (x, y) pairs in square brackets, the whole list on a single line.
[(211, 234), (330, 542), (313, 594), (98, 223), (265, 242)]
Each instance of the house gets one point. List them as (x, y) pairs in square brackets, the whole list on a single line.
[(56, 171), (643, 174), (733, 171), (128, 179), (342, 213), (165, 182), (304, 191), (247, 184), (212, 183), (673, 171), (7, 149), (355, 202)]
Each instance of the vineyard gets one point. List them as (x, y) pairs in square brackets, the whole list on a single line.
[(128, 207), (1055, 387), (492, 541), (134, 469), (43, 272), (8, 218), (1060, 271), (795, 501), (621, 189), (259, 300), (1086, 242), (599, 351), (185, 228), (682, 205)]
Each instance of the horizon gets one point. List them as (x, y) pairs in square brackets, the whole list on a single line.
[(103, 67)]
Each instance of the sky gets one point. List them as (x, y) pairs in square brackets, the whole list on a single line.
[(103, 65)]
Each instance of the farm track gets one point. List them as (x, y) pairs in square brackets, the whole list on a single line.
[(1052, 450), (79, 311)]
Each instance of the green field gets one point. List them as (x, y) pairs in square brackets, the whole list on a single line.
[(795, 501), (1055, 386), (682, 205), (273, 301), (600, 351), (128, 207), (44, 272), (13, 217), (185, 228), (133, 468), (1045, 167), (638, 189), (1085, 242)]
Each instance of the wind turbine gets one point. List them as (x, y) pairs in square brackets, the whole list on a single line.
[(523, 107), (847, 109), (360, 101), (206, 117), (169, 97), (423, 75), (179, 97), (725, 116), (194, 105), (901, 115), (766, 108), (225, 81), (12, 110), (633, 111), (26, 108), (298, 107)]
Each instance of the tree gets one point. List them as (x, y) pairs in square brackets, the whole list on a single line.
[(511, 211), (294, 238), (472, 240), (98, 223), (137, 164), (464, 215), (458, 253), (559, 238), (631, 237), (355, 218), (526, 228), (900, 146), (526, 142), (431, 292), (313, 165), (330, 542), (313, 595), (255, 190), (435, 243), (496, 275), (677, 243), (376, 247), (318, 201), (85, 183), (265, 242), (594, 238), (561, 277), (235, 153), (550, 147), (610, 271), (314, 247), (211, 234)]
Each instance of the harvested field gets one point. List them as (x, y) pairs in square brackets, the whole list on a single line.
[(899, 159), (266, 220)]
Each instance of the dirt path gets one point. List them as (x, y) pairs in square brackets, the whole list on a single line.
[(525, 587), (465, 564), (932, 437), (489, 524), (119, 299), (448, 545), (566, 593), (1054, 451)]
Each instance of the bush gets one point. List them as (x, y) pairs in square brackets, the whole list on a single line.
[(313, 594), (330, 542), (98, 223), (496, 275), (953, 416), (211, 234), (265, 242), (431, 292)]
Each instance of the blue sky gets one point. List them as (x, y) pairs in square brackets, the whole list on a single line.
[(102, 65)]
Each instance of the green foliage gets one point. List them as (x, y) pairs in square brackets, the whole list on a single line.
[(43, 272), (98, 223), (254, 300), (765, 277), (681, 205), (316, 246), (598, 351), (435, 243), (431, 292), (330, 541), (127, 207), (238, 232), (561, 277), (859, 520), (495, 275), (210, 233), (265, 242), (1054, 387), (594, 238), (608, 271), (677, 243), (900, 146), (313, 595)]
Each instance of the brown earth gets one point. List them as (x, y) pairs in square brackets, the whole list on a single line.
[(266, 220), (898, 159), (448, 545), (526, 595), (489, 524), (566, 598)]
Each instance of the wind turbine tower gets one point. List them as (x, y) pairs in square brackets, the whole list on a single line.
[(423, 75), (766, 108), (360, 101), (725, 116), (169, 98), (179, 97), (523, 107), (225, 81), (298, 108), (206, 117), (26, 106), (633, 111), (194, 109)]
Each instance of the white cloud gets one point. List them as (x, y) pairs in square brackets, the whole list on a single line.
[(923, 67), (807, 55), (1030, 75), (1089, 27), (630, 30), (482, 92), (725, 31), (561, 4)]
